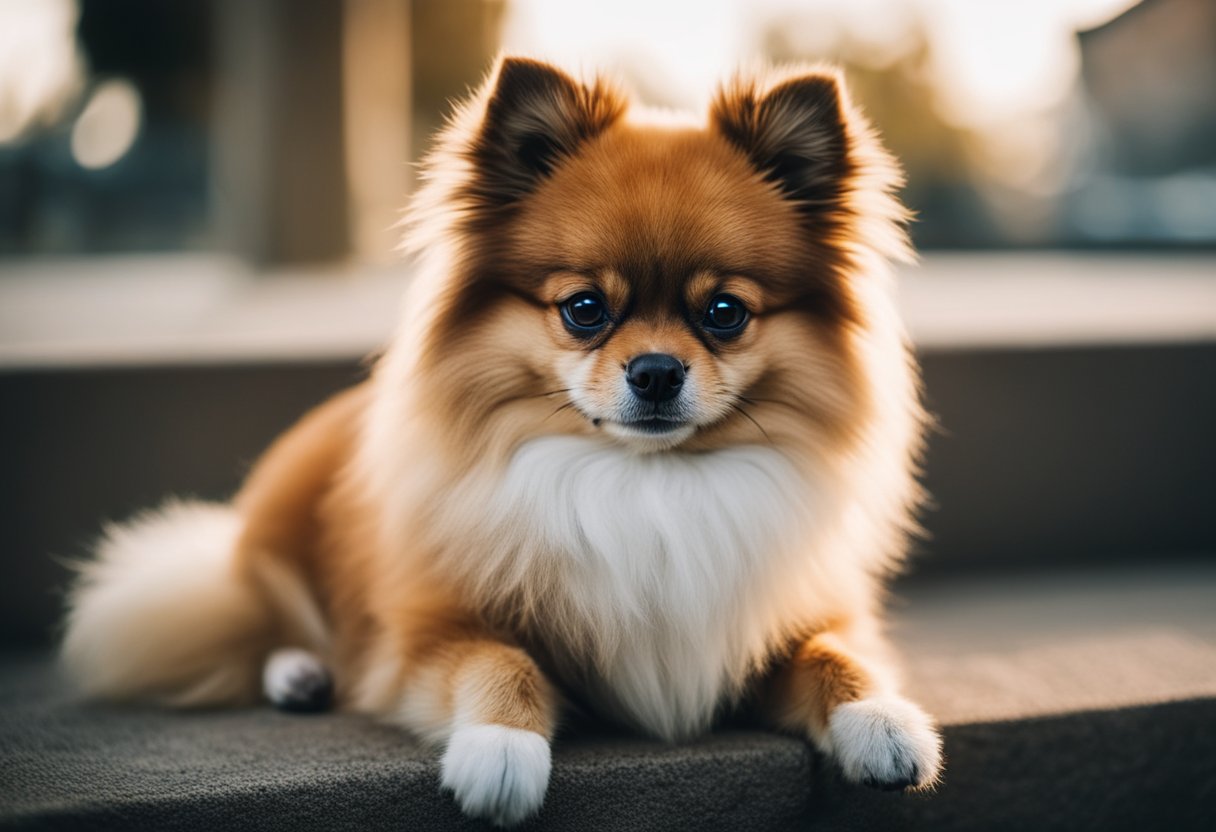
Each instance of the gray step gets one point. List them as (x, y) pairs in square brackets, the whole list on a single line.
[(1045, 456), (1070, 701)]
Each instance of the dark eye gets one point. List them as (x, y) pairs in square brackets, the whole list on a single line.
[(725, 316), (585, 313)]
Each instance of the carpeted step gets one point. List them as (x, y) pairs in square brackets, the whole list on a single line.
[(1083, 701)]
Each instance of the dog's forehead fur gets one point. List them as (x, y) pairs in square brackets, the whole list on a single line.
[(658, 206)]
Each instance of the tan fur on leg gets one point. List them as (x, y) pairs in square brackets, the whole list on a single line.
[(850, 708), (477, 681), (819, 676), (496, 712)]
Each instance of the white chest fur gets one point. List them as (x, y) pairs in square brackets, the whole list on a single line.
[(655, 581)]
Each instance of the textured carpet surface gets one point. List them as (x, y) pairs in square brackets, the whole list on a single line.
[(1082, 705), (75, 766), (1015, 646)]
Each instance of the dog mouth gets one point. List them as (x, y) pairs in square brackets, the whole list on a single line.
[(654, 425), (650, 428), (649, 431)]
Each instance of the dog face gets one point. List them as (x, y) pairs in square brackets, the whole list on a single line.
[(667, 286)]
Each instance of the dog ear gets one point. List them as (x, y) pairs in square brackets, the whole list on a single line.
[(535, 116), (795, 133)]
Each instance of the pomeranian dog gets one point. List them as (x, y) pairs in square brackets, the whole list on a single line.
[(645, 444)]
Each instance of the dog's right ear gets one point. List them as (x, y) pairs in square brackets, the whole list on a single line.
[(535, 116)]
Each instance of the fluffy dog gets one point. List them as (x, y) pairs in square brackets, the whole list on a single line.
[(645, 442)]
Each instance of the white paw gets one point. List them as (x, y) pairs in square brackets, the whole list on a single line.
[(885, 742), (296, 680), (498, 773)]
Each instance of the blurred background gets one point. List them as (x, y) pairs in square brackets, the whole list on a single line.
[(282, 131), (198, 202), (198, 209)]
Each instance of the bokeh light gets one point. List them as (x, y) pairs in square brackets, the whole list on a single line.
[(107, 126)]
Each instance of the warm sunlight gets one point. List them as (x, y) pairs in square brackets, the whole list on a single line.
[(995, 69), (40, 68), (988, 59)]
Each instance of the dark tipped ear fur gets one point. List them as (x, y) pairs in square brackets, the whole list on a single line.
[(794, 133), (535, 116)]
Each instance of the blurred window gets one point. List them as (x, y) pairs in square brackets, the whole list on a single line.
[(282, 130), (104, 113)]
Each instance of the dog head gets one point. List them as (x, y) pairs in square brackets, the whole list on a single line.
[(665, 285)]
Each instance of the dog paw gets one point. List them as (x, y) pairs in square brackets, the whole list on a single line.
[(296, 680), (497, 773), (885, 742)]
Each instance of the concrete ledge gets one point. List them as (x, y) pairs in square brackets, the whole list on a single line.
[(1067, 455), (154, 310)]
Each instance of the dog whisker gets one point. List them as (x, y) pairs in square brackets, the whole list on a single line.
[(778, 402), (559, 410), (752, 419)]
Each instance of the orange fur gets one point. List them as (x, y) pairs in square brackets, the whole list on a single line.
[(820, 675), (396, 531)]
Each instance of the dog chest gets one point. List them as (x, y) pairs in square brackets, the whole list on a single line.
[(649, 578)]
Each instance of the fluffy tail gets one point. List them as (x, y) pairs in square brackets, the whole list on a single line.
[(163, 614)]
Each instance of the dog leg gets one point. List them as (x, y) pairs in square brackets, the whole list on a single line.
[(844, 700), (495, 712)]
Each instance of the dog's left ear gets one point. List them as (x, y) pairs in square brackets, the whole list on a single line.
[(535, 116), (795, 133)]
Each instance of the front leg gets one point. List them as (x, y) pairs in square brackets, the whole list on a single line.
[(839, 692), (495, 713)]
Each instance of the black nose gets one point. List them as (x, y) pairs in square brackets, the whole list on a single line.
[(655, 376)]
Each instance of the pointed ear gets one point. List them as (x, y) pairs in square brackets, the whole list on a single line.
[(794, 133), (535, 116)]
